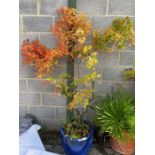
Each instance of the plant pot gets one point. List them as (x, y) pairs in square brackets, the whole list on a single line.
[(77, 146), (126, 147)]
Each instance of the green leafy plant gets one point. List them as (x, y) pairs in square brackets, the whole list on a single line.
[(129, 74), (117, 36), (71, 31), (115, 114), (76, 129)]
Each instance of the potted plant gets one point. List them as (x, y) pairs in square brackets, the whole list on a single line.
[(71, 31), (128, 74), (117, 36), (115, 115)]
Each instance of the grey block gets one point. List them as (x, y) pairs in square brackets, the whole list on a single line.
[(101, 22), (91, 7), (43, 112), (127, 59), (53, 100), (62, 61), (22, 110), (129, 50), (37, 24), (122, 7), (114, 74), (51, 6), (58, 70), (61, 112), (128, 86), (82, 70), (108, 59), (29, 98), (103, 87), (20, 25), (90, 116), (30, 37), (48, 39), (27, 71), (52, 123), (35, 85), (22, 85), (27, 6)]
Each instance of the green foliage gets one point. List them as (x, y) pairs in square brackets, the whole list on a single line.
[(115, 114), (129, 74), (76, 128), (81, 96), (117, 36)]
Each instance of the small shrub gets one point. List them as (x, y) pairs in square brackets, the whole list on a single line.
[(117, 36)]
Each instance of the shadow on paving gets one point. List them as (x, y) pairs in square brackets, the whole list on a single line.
[(52, 143)]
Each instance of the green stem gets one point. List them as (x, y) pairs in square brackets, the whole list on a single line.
[(70, 71), (70, 81), (72, 3)]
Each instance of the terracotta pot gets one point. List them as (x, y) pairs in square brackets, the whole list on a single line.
[(126, 147)]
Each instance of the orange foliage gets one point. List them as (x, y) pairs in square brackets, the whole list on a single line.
[(34, 52), (71, 31)]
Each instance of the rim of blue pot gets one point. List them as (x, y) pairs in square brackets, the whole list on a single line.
[(80, 139)]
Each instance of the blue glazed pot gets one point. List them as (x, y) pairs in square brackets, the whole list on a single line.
[(77, 146)]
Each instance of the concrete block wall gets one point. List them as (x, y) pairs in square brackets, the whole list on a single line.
[(36, 18)]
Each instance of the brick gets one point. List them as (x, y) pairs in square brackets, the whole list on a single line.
[(122, 7), (43, 112), (127, 59), (53, 100), (101, 22), (22, 85), (28, 7), (108, 59), (51, 6), (114, 74), (83, 71), (22, 110), (129, 50), (58, 70), (29, 98), (62, 61), (128, 86), (37, 24), (97, 7), (90, 116), (20, 25), (23, 37), (61, 112), (103, 87), (35, 85), (27, 71), (48, 39), (52, 123)]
